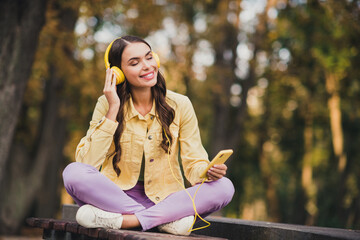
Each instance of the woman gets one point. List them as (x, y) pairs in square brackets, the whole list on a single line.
[(124, 175)]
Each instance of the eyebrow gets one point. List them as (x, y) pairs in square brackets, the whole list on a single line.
[(137, 58)]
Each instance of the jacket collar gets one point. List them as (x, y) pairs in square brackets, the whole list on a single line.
[(131, 112)]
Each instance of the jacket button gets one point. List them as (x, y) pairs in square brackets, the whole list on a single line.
[(157, 199), (149, 137)]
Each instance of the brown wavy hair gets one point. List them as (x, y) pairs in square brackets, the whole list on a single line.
[(164, 113)]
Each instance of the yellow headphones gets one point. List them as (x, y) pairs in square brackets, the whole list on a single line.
[(120, 77)]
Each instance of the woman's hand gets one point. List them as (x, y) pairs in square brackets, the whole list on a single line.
[(111, 95), (216, 172)]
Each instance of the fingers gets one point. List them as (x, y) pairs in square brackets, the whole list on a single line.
[(110, 80), (217, 172), (108, 75), (107, 79), (113, 80), (110, 89)]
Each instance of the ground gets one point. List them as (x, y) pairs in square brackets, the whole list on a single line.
[(26, 233)]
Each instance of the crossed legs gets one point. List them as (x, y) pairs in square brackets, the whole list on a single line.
[(87, 185)]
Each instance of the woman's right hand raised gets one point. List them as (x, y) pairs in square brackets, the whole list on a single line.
[(111, 95)]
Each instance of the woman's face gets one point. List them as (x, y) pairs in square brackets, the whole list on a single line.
[(139, 66)]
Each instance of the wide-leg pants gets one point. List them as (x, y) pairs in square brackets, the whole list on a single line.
[(87, 185)]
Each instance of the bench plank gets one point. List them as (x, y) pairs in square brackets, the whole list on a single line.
[(63, 229), (59, 225), (72, 227)]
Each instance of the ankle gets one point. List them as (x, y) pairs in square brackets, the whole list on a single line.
[(130, 221)]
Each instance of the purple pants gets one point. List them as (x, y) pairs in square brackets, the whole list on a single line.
[(87, 185)]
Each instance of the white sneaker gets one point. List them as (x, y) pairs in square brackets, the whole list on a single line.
[(178, 227), (92, 217)]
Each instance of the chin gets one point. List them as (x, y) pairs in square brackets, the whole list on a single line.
[(148, 83), (152, 82)]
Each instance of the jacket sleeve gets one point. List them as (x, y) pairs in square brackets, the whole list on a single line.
[(193, 155), (93, 148)]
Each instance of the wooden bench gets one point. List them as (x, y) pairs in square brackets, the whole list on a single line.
[(70, 230), (221, 228)]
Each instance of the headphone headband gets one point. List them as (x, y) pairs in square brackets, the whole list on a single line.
[(106, 56)]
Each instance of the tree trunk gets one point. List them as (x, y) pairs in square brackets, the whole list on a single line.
[(49, 151), (54, 126), (20, 25), (43, 171), (335, 120), (266, 170), (334, 106), (223, 78), (257, 38), (39, 178), (269, 184), (307, 182)]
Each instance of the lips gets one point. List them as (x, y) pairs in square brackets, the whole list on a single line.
[(148, 76)]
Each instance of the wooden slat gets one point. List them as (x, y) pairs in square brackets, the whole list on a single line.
[(116, 234), (31, 222), (45, 223), (94, 232), (59, 225), (83, 231), (129, 235), (103, 234), (72, 227)]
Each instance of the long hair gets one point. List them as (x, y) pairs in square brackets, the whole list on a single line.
[(163, 111)]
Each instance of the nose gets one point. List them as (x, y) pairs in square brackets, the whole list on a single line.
[(146, 64)]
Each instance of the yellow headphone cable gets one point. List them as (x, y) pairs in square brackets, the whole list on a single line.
[(192, 198)]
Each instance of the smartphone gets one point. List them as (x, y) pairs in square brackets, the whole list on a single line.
[(220, 158)]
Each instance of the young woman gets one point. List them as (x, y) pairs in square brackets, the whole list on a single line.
[(126, 165)]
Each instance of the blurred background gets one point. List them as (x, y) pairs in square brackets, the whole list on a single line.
[(277, 81)]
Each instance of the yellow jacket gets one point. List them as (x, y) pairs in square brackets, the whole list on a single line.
[(143, 135)]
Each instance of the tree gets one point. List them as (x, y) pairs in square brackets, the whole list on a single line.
[(320, 37), (39, 149), (20, 25)]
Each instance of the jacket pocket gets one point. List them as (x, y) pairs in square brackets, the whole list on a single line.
[(125, 143)]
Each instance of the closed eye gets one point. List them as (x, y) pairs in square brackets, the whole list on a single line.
[(149, 55), (135, 60)]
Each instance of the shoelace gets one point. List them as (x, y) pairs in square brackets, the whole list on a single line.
[(106, 222), (171, 226)]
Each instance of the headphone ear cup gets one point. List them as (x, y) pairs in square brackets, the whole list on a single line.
[(120, 77), (157, 59)]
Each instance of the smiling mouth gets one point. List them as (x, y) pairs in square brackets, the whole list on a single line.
[(148, 76)]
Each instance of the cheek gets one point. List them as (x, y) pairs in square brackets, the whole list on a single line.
[(130, 72)]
